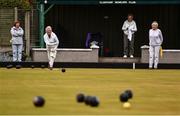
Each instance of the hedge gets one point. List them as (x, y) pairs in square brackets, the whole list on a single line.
[(22, 4)]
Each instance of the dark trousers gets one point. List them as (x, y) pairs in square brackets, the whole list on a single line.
[(128, 45)]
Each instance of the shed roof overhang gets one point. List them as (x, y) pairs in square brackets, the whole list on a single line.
[(108, 2)]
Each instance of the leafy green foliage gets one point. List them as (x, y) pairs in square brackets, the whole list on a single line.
[(23, 4)]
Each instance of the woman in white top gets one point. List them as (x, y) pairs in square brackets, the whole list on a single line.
[(155, 42), (52, 43), (17, 41)]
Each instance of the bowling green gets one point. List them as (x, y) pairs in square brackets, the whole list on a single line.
[(155, 91)]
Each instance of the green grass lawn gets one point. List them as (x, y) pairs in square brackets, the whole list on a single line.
[(155, 91)]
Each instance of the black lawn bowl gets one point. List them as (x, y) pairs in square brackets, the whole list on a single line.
[(18, 66), (87, 100), (129, 93), (38, 101), (80, 97), (63, 70), (9, 66), (32, 66), (94, 102), (124, 97)]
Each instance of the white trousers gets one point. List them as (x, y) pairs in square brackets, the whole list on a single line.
[(154, 56), (17, 52), (51, 52)]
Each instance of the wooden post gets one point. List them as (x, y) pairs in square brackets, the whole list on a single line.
[(15, 14), (27, 32)]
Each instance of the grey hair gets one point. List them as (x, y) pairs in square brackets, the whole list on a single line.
[(154, 23)]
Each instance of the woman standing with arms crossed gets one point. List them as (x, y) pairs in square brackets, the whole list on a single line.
[(17, 41)]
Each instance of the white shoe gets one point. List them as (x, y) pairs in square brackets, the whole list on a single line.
[(150, 67), (125, 56), (131, 56), (155, 67)]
